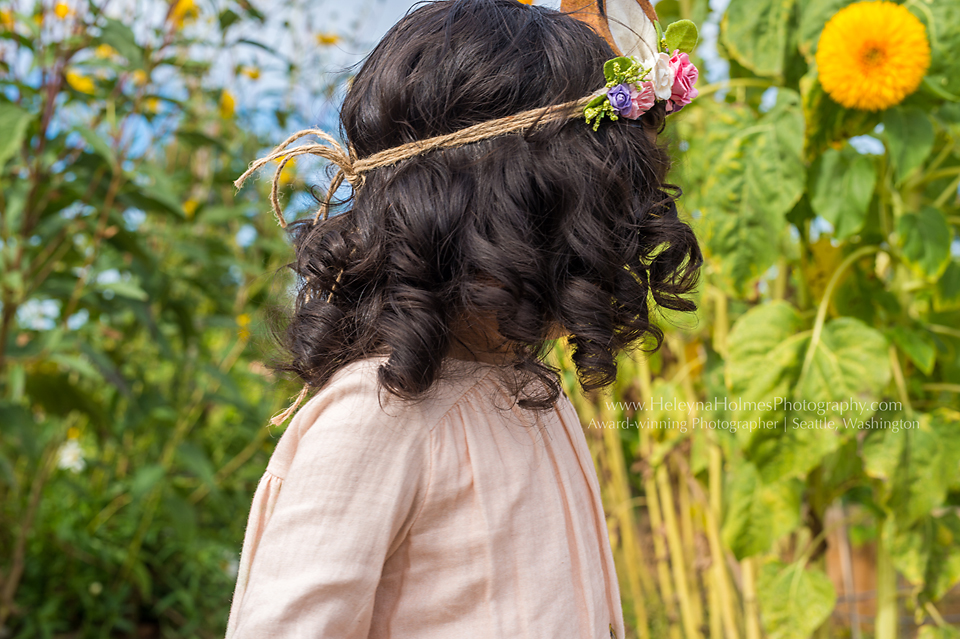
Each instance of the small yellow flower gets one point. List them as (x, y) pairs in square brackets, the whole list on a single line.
[(151, 105), (61, 10), (105, 51), (6, 19), (287, 175), (190, 207), (251, 72), (872, 55), (73, 432), (243, 321), (139, 77), (80, 82), (184, 12), (38, 18), (327, 38), (228, 105)]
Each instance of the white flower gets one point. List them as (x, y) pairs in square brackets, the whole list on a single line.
[(662, 77), (71, 456)]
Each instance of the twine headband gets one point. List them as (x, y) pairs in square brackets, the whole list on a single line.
[(352, 169)]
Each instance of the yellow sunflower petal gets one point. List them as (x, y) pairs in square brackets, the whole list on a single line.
[(872, 55), (80, 82), (327, 38), (228, 105), (184, 12)]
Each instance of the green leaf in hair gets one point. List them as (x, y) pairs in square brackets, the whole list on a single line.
[(682, 35), (613, 70)]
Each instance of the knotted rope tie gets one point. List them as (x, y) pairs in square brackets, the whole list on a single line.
[(352, 169)]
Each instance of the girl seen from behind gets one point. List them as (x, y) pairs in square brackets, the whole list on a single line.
[(438, 483)]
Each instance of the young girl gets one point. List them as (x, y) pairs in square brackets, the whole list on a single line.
[(438, 484)]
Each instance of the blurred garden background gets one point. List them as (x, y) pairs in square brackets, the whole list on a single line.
[(137, 287)]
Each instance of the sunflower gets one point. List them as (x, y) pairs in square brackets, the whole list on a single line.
[(872, 55)]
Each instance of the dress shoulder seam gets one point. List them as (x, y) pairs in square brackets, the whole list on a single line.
[(267, 471), (460, 397)]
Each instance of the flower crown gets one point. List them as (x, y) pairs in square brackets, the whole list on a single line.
[(634, 86)]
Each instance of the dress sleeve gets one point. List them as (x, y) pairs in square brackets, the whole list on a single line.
[(354, 488)]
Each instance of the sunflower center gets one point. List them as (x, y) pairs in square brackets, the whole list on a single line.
[(873, 55)]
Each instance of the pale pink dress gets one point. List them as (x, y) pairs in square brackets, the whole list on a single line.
[(444, 519)]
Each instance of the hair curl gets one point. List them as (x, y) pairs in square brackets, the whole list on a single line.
[(560, 226)]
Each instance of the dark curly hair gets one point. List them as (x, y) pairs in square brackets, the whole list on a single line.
[(561, 226)]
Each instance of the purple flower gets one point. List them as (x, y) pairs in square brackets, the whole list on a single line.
[(621, 98)]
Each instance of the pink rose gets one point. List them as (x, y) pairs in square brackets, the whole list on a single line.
[(685, 75), (640, 100)]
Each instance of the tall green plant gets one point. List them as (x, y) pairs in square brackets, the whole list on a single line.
[(823, 369), (133, 278)]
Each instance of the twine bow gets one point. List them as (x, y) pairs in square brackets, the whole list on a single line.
[(352, 169), (331, 151)]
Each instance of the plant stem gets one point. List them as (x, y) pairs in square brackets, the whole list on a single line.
[(935, 615), (944, 330), (822, 310), (949, 388), (951, 190), (751, 611), (734, 83), (44, 468), (656, 524), (678, 347), (721, 323), (849, 587), (712, 511), (887, 609), (623, 512), (713, 604), (780, 284), (900, 382), (689, 548), (676, 553)]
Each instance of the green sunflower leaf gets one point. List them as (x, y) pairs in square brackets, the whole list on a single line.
[(682, 35)]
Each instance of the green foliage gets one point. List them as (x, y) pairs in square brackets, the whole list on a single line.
[(842, 187), (925, 237), (795, 601), (755, 32), (133, 405), (758, 514), (758, 176), (826, 355), (825, 359)]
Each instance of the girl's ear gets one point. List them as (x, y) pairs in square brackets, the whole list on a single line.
[(626, 25)]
